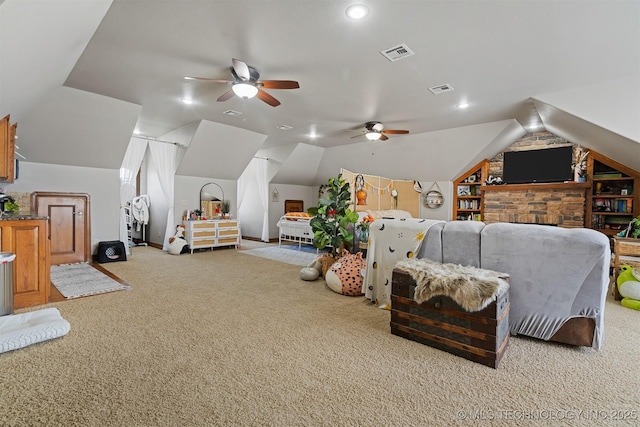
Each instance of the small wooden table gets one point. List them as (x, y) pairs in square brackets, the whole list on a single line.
[(626, 251)]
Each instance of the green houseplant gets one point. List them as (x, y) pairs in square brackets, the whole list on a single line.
[(225, 208), (332, 216), (632, 230)]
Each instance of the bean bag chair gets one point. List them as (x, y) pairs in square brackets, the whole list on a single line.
[(346, 275)]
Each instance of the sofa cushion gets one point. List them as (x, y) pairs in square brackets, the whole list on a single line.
[(432, 243), (461, 242)]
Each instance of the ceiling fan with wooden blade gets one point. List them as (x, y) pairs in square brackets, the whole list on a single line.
[(246, 84), (375, 131)]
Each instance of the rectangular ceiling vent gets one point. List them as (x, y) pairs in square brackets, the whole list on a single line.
[(437, 90), (285, 127), (232, 113), (396, 53)]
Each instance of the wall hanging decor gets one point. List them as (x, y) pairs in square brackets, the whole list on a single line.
[(433, 198), (361, 193)]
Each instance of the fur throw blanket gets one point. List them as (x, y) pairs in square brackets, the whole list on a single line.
[(471, 288)]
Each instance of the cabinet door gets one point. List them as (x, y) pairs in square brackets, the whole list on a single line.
[(28, 239)]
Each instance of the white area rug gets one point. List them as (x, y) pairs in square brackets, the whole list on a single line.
[(79, 280), (290, 256)]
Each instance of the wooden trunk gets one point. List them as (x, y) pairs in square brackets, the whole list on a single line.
[(480, 336)]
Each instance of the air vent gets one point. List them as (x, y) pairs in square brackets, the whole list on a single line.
[(285, 127), (396, 53), (232, 113), (437, 90)]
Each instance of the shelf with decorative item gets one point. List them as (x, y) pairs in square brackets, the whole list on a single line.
[(614, 197), (467, 193)]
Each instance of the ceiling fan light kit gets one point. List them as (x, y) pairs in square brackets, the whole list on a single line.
[(245, 90), (375, 131), (247, 84), (373, 136)]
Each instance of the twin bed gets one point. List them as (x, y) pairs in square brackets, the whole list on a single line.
[(295, 227)]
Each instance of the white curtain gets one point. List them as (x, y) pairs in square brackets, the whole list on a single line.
[(166, 160), (128, 171), (241, 186), (260, 168)]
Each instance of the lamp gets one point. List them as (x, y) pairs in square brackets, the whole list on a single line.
[(361, 193), (245, 90), (373, 136)]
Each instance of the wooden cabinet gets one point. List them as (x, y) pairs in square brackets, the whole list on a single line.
[(467, 197), (28, 239), (614, 199), (7, 150), (211, 233)]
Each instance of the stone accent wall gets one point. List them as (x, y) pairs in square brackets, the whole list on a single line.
[(530, 141), (561, 207)]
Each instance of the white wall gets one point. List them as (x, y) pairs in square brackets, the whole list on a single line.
[(102, 186)]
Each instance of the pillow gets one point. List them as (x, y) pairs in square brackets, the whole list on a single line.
[(294, 216), (389, 213)]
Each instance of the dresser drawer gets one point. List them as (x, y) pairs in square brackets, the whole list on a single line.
[(228, 224), (204, 233), (233, 232)]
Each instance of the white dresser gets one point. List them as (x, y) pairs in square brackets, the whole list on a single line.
[(212, 233)]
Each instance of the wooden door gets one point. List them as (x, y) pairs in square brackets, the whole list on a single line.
[(69, 225)]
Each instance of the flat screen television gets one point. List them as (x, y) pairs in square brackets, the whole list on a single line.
[(547, 165)]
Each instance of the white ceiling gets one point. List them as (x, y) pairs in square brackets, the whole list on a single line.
[(499, 56)]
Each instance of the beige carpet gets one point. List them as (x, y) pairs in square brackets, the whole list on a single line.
[(222, 339)]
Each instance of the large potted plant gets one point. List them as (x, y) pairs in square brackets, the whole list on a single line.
[(332, 218)]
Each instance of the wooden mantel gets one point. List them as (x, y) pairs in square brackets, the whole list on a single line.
[(537, 186)]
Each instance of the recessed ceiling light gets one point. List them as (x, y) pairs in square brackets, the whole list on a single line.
[(136, 132), (357, 11), (187, 101), (463, 105)]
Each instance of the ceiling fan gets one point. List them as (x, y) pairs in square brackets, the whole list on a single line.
[(375, 131), (247, 84)]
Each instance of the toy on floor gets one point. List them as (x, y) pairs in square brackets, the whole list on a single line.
[(177, 244), (346, 275), (311, 271), (629, 287)]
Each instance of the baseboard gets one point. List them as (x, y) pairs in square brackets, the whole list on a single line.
[(257, 239)]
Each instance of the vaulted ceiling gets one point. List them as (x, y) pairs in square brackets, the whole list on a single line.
[(80, 77)]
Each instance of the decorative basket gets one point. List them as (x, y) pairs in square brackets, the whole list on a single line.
[(327, 261)]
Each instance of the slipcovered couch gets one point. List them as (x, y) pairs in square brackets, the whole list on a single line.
[(559, 276)]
